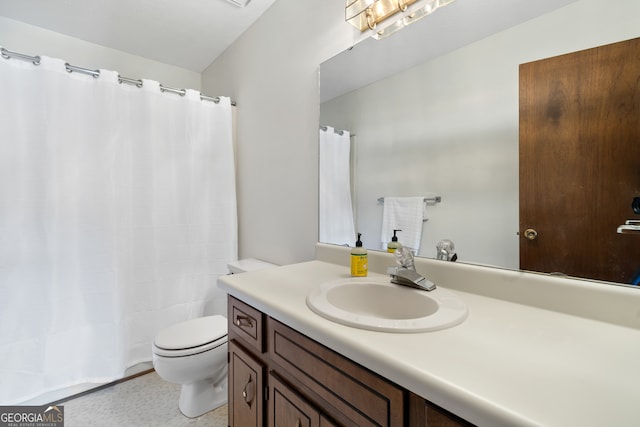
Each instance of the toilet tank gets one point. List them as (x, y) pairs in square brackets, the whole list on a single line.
[(216, 298)]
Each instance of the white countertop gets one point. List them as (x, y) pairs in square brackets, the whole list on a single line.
[(506, 364)]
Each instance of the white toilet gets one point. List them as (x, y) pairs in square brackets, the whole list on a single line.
[(194, 353)]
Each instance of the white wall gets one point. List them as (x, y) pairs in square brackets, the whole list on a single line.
[(450, 127), (271, 71), (31, 40)]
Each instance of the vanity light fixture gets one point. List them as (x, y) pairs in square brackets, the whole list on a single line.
[(368, 14)]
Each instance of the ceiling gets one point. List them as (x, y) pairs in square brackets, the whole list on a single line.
[(192, 33), (189, 34)]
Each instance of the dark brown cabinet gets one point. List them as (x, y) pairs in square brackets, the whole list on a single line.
[(279, 377), (246, 385)]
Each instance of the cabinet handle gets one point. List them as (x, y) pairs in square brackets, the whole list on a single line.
[(249, 391), (298, 423), (243, 321)]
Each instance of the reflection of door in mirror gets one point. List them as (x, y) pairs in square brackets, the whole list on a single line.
[(580, 133)]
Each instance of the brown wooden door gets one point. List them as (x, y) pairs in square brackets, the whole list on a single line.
[(580, 162)]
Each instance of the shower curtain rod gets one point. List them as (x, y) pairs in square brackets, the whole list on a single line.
[(7, 54), (339, 132)]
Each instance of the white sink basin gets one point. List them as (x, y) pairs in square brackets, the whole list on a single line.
[(379, 305)]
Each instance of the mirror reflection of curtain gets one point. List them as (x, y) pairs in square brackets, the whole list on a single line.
[(336, 209), (117, 215)]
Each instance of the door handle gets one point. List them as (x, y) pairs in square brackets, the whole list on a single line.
[(530, 234)]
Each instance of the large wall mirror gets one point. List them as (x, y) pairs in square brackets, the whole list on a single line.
[(434, 111)]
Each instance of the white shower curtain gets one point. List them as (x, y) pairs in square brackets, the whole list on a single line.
[(117, 215), (336, 211)]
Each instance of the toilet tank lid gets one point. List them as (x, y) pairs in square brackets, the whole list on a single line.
[(248, 264), (192, 333)]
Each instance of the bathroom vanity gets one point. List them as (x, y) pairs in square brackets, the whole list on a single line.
[(278, 373), (534, 350)]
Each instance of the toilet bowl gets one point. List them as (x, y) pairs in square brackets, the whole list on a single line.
[(194, 353)]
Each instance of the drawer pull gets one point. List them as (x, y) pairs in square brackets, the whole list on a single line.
[(249, 391), (243, 321)]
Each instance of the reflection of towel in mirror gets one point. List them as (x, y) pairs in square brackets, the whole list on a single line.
[(406, 214)]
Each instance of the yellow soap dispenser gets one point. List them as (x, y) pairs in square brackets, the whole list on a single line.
[(359, 262), (393, 245)]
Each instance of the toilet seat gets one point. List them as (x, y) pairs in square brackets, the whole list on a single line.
[(191, 337)]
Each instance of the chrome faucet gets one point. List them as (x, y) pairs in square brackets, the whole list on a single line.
[(405, 274)]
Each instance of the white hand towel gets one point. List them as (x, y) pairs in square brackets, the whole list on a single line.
[(406, 214)]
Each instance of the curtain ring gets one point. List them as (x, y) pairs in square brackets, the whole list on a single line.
[(371, 19), (402, 5)]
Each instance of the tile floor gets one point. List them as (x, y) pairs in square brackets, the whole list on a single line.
[(143, 401)]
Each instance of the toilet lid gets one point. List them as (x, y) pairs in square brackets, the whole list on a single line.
[(192, 333)]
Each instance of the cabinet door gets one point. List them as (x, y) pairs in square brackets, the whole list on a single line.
[(326, 422), (424, 414), (436, 418), (288, 409), (246, 382), (342, 389)]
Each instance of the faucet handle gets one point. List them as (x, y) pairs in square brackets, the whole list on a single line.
[(404, 257), (404, 276)]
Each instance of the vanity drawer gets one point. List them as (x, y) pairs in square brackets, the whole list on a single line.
[(246, 323), (346, 391)]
